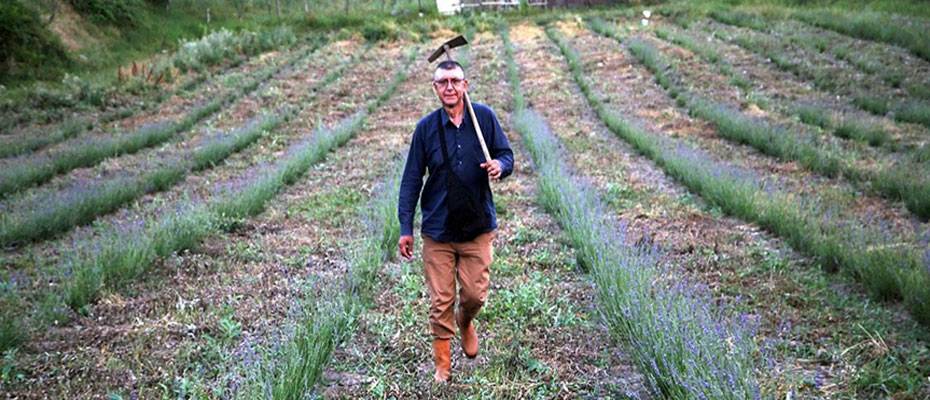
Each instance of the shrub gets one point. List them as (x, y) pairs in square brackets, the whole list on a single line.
[(27, 49), (120, 13)]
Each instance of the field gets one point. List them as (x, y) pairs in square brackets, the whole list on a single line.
[(709, 203)]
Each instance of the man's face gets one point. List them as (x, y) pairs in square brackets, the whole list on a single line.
[(450, 85)]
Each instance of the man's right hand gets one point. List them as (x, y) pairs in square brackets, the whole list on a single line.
[(405, 247)]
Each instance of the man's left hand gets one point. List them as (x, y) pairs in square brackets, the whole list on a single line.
[(494, 169)]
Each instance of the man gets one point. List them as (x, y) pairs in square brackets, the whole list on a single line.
[(458, 211)]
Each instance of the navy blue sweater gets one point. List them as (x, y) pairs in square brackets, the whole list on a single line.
[(466, 156)]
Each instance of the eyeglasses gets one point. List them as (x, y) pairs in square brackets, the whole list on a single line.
[(445, 82)]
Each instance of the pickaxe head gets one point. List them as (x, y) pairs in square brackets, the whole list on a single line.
[(447, 46)]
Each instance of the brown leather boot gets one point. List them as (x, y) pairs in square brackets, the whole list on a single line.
[(469, 337), (443, 358)]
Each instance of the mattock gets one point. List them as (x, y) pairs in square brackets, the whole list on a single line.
[(446, 48)]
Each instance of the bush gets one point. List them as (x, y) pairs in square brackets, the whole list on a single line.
[(114, 12), (374, 31), (225, 44), (27, 49)]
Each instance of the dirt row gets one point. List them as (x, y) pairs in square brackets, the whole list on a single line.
[(803, 313), (245, 282), (540, 334)]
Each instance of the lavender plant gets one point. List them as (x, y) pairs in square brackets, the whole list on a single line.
[(888, 271), (292, 369), (685, 349), (125, 256), (30, 171), (904, 180)]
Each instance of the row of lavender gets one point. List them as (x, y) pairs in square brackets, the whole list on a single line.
[(844, 125), (685, 348), (888, 270), (905, 180), (43, 216), (31, 170), (124, 253), (291, 369), (762, 39)]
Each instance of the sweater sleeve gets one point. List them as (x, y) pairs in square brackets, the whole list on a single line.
[(411, 182), (499, 146)]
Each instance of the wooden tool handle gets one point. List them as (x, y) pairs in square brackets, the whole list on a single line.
[(474, 121)]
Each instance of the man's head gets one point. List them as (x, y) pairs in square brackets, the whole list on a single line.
[(449, 83)]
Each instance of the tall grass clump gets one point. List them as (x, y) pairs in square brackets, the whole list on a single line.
[(740, 18), (685, 348), (31, 171), (871, 26), (851, 128), (292, 369), (873, 257)]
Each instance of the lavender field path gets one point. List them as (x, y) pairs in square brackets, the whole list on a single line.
[(897, 177), (237, 289), (867, 92), (539, 333), (790, 299)]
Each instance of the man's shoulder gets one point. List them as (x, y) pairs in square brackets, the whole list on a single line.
[(483, 110), (428, 119)]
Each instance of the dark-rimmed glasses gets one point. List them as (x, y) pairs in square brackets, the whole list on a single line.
[(455, 82)]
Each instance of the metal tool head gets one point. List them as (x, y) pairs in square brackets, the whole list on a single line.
[(449, 45)]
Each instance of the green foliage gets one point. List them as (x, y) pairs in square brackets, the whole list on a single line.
[(223, 44), (872, 26), (813, 115), (377, 30), (851, 128), (28, 50), (122, 13), (874, 105)]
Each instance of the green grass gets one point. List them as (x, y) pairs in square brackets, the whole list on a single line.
[(871, 26), (888, 272), (813, 115)]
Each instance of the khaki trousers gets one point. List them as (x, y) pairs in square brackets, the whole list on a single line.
[(443, 264)]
